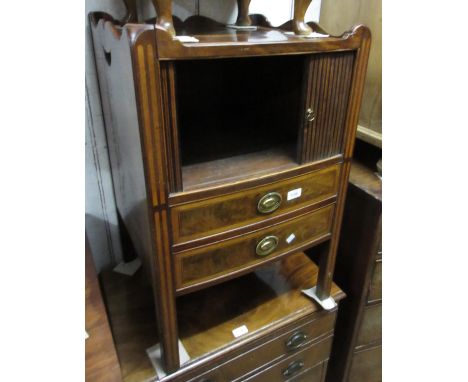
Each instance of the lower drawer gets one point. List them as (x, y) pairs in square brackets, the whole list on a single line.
[(371, 325), (293, 366), (375, 288), (285, 344), (366, 365), (215, 262), (316, 374)]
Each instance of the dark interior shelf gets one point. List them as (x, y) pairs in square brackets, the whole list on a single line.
[(237, 118), (238, 168)]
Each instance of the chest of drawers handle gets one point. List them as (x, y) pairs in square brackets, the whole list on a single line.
[(296, 340), (269, 203), (293, 368), (267, 245)]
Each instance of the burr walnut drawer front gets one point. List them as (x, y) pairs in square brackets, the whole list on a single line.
[(224, 213), (237, 255), (285, 345), (294, 367)]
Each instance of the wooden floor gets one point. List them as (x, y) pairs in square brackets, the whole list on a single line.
[(102, 364), (265, 299)]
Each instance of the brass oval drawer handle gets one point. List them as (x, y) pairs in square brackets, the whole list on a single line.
[(269, 203), (296, 340), (310, 114), (293, 368), (267, 245)]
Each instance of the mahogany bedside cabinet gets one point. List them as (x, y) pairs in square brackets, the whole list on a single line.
[(230, 152)]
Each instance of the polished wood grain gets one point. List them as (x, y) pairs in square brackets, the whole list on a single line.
[(102, 364), (139, 68), (327, 261), (308, 358), (216, 215), (207, 318), (214, 262), (239, 182), (237, 169), (151, 119), (216, 41)]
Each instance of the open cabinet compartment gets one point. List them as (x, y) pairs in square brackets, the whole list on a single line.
[(207, 318), (238, 117)]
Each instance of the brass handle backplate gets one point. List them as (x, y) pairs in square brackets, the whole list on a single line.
[(269, 203), (293, 368), (310, 114), (267, 245), (296, 340)]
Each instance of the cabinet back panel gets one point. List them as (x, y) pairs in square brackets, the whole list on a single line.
[(330, 76)]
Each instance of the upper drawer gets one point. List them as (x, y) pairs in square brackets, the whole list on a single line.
[(216, 261), (208, 217)]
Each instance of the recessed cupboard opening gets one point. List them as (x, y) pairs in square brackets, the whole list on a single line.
[(237, 117)]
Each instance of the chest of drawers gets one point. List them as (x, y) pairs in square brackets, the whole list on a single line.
[(228, 155), (357, 350)]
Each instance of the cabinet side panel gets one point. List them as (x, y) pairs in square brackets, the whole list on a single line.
[(114, 65), (152, 118)]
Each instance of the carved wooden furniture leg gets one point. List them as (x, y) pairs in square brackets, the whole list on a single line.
[(243, 18), (131, 15), (164, 12), (300, 9)]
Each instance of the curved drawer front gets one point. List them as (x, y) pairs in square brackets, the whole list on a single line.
[(208, 217), (216, 261)]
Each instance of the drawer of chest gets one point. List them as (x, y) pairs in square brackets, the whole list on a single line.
[(371, 325), (366, 365), (285, 345), (215, 215), (375, 288), (235, 256), (293, 367)]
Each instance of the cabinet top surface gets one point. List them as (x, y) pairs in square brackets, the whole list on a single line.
[(213, 39)]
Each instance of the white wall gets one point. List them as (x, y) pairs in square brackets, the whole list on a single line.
[(101, 216)]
